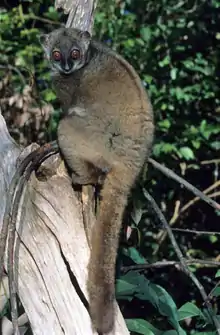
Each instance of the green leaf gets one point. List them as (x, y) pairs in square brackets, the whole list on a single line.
[(157, 149), (137, 211), (213, 238), (148, 79), (163, 147), (196, 144), (131, 277), (173, 73), (163, 106), (215, 145), (164, 123), (158, 297), (52, 14), (49, 95), (186, 153), (141, 326), (209, 317), (188, 310), (129, 43), (124, 288), (161, 299), (165, 61), (170, 332), (216, 292), (145, 33), (203, 126), (217, 275), (134, 255)]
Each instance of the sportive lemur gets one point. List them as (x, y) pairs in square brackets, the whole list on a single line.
[(107, 128)]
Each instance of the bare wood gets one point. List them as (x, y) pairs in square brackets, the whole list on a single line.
[(81, 13), (52, 234), (9, 152)]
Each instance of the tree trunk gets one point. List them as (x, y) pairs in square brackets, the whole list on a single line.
[(53, 248)]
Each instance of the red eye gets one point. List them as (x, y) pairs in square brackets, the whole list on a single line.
[(75, 54), (56, 55)]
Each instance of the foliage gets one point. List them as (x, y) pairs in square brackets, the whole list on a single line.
[(174, 46)]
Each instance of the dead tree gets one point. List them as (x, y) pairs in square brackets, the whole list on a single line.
[(53, 248)]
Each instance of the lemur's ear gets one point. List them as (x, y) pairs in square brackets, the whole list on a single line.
[(85, 35), (43, 39), (85, 38)]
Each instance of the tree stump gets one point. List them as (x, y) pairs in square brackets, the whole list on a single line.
[(53, 248)]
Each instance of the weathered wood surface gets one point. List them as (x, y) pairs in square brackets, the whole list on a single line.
[(81, 13), (53, 248)]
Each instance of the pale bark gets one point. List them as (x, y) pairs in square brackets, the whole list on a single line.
[(81, 13), (53, 248)]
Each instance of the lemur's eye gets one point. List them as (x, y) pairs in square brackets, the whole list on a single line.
[(56, 55), (75, 54)]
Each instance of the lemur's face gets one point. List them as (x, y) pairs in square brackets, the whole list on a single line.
[(66, 49)]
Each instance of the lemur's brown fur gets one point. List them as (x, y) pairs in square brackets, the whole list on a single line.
[(108, 128)]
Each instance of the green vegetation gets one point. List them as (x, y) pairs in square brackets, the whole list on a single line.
[(175, 47)]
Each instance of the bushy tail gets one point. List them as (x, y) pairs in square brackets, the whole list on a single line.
[(101, 276)]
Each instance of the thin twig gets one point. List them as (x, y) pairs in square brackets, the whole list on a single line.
[(15, 69), (163, 234), (196, 232), (214, 194), (182, 260), (176, 212), (214, 288), (42, 19), (194, 200), (170, 174), (169, 263), (211, 161)]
